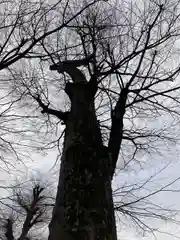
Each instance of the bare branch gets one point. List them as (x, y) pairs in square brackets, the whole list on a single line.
[(9, 229), (59, 114), (116, 131), (70, 67)]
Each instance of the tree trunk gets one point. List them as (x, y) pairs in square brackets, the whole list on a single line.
[(84, 204)]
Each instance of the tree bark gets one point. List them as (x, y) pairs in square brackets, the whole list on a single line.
[(84, 204)]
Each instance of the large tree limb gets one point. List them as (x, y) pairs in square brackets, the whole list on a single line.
[(71, 67), (116, 131), (45, 109), (9, 229)]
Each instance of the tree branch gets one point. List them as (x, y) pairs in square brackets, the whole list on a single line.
[(45, 109), (71, 68), (17, 55), (116, 131), (9, 229)]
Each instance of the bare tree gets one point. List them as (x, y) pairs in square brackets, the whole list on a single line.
[(119, 67), (27, 210)]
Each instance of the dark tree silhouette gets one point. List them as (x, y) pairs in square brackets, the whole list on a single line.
[(26, 210), (123, 65)]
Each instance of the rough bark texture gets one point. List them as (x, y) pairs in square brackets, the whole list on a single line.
[(84, 204)]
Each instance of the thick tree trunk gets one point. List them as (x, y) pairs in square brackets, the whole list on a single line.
[(84, 205)]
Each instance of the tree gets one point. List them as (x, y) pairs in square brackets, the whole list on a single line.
[(125, 70), (26, 210)]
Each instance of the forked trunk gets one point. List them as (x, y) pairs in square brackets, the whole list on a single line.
[(84, 204)]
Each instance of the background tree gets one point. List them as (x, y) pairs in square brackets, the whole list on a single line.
[(26, 211)]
